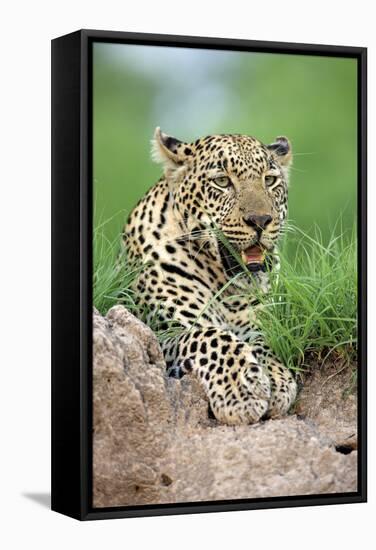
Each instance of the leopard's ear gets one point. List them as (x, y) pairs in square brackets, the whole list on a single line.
[(282, 151), (169, 151)]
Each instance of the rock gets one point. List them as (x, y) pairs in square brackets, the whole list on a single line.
[(154, 442), (136, 410)]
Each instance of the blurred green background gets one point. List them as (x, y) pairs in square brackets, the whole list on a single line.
[(191, 93)]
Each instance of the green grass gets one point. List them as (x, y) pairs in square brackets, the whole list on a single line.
[(310, 313), (113, 274), (312, 308)]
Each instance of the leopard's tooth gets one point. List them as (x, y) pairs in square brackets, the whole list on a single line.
[(244, 257)]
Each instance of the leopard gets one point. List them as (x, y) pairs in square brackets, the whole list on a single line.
[(207, 236)]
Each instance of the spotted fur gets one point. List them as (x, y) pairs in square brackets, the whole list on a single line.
[(230, 185)]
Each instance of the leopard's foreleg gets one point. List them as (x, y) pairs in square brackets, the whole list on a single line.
[(237, 386)]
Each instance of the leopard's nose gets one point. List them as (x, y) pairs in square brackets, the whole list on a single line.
[(257, 221)]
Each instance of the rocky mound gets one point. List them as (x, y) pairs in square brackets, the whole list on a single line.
[(155, 443)]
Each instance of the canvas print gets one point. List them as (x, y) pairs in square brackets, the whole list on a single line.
[(224, 275)]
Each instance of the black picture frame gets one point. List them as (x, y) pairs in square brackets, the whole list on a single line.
[(72, 272)]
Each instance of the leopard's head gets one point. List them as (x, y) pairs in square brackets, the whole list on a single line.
[(231, 189)]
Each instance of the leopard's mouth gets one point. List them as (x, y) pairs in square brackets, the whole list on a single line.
[(254, 258)]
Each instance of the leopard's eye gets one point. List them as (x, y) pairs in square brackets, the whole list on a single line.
[(222, 181), (270, 180)]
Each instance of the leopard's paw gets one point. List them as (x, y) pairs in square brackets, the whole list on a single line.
[(242, 395), (284, 390)]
